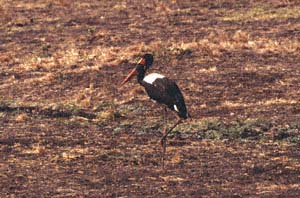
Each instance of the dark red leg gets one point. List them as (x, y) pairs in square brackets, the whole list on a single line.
[(164, 141)]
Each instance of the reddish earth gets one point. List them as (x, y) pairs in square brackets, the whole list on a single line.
[(68, 130)]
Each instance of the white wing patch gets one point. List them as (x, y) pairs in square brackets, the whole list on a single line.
[(152, 77), (176, 109)]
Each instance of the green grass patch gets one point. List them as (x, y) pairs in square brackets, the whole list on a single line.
[(247, 129), (289, 132)]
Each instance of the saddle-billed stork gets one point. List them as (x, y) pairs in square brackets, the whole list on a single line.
[(162, 90)]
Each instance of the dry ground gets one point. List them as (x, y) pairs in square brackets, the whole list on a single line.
[(68, 130)]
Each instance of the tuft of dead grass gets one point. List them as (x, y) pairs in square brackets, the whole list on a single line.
[(34, 149), (264, 103), (262, 12), (22, 117), (241, 36)]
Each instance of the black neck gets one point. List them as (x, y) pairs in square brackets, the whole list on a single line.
[(140, 73)]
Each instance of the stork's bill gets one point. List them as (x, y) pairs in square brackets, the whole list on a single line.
[(142, 61)]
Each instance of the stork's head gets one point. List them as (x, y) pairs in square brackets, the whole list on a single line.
[(145, 62)]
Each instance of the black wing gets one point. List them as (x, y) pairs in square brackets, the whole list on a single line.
[(166, 91)]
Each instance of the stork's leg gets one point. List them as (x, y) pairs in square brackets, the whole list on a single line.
[(163, 146), (165, 116), (164, 140), (163, 143)]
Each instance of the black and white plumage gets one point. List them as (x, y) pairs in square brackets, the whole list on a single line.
[(165, 91), (160, 89)]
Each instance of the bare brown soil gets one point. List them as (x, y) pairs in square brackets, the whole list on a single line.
[(67, 129)]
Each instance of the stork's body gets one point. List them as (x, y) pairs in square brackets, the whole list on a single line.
[(162, 90), (165, 91)]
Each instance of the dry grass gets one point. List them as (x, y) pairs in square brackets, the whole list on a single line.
[(265, 103), (66, 123), (262, 12), (265, 188)]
